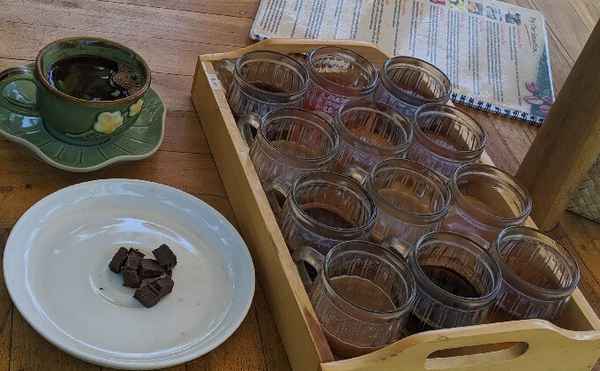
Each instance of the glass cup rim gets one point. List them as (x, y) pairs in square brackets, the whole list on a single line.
[(463, 302), (339, 88), (467, 121), (419, 64), (290, 112), (524, 286), (246, 85), (381, 109), (374, 251), (419, 170), (508, 182), (336, 180)]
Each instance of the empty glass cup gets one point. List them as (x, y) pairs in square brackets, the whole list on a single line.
[(264, 81), (286, 143), (446, 138), (539, 275), (337, 76), (411, 200), (369, 133), (408, 83), (363, 295), (457, 282), (486, 200), (323, 209)]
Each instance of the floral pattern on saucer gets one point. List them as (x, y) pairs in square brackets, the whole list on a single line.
[(139, 141)]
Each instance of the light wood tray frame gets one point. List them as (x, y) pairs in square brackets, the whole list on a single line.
[(572, 343)]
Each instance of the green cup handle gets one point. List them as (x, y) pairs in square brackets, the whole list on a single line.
[(18, 89)]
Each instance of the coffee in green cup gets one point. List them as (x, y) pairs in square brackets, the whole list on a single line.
[(87, 89)]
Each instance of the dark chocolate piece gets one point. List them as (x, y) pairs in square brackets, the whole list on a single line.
[(150, 268), (131, 278), (146, 296), (118, 260), (165, 257), (152, 291), (163, 285), (134, 258)]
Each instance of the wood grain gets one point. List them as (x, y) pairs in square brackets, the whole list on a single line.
[(124, 19), (567, 145), (6, 312), (23, 41), (170, 34), (234, 8)]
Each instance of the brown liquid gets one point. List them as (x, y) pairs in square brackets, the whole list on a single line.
[(405, 199), (267, 87), (298, 150), (450, 281), (90, 77), (365, 294), (324, 215)]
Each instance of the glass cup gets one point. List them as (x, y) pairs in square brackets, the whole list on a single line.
[(411, 201), (486, 200), (369, 133), (457, 282), (363, 295), (323, 209), (446, 138), (407, 83), (286, 143), (264, 81), (337, 76), (539, 275)]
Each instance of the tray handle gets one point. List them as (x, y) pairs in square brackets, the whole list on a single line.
[(366, 49), (532, 345)]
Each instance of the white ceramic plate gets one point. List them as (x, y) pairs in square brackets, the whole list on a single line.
[(56, 270)]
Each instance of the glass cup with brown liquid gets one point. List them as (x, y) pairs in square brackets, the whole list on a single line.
[(446, 138), (323, 209), (411, 200), (369, 133), (486, 200), (362, 295), (264, 81), (407, 83), (286, 143), (457, 282), (338, 76), (538, 274)]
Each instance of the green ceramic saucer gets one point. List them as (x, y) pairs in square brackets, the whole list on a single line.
[(139, 141)]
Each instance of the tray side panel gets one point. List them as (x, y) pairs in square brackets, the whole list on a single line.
[(536, 346), (293, 312), (304, 342)]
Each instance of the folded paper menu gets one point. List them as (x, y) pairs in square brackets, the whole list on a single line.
[(495, 54)]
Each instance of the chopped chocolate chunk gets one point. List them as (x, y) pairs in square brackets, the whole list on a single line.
[(135, 251), (163, 285), (151, 292), (165, 257), (134, 258), (146, 296), (150, 268), (131, 278), (117, 261)]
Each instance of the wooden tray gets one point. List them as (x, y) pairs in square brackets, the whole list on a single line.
[(530, 345)]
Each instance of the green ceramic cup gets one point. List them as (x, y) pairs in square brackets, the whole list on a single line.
[(28, 90)]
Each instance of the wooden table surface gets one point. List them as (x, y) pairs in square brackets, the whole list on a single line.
[(170, 34)]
